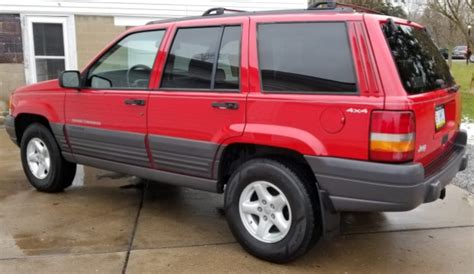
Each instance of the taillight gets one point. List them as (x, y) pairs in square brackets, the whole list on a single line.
[(392, 136)]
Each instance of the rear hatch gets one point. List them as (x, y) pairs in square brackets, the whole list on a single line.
[(431, 90)]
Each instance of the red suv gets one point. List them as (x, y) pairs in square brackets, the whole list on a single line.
[(294, 115)]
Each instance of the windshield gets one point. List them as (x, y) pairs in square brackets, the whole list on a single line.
[(421, 66)]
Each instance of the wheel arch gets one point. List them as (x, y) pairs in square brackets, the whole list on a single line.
[(231, 156), (23, 120)]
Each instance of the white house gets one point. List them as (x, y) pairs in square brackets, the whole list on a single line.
[(80, 28)]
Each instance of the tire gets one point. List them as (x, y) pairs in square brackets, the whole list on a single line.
[(303, 214), (39, 143)]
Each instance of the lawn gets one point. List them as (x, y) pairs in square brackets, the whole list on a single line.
[(463, 75)]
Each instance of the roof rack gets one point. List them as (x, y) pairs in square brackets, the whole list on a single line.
[(316, 7), (219, 11)]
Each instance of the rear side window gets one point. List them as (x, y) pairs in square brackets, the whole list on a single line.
[(228, 64), (421, 66), (305, 58), (204, 58)]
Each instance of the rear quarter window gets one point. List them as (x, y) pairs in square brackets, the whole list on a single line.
[(420, 65), (310, 57)]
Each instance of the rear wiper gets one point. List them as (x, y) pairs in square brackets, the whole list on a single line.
[(440, 83), (453, 88)]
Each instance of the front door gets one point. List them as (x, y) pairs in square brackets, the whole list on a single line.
[(49, 46), (201, 98), (106, 119)]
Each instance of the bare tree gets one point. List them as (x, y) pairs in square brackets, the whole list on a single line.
[(381, 6), (443, 31), (459, 12), (470, 4)]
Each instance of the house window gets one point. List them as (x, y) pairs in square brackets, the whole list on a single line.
[(48, 50), (50, 46)]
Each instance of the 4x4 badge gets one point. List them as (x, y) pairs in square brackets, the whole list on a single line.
[(357, 110)]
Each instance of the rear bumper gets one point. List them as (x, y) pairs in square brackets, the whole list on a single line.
[(10, 128), (351, 185)]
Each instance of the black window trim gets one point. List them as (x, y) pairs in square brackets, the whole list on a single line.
[(214, 66), (85, 72), (353, 93)]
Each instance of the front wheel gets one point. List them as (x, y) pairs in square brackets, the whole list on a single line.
[(273, 210), (42, 161)]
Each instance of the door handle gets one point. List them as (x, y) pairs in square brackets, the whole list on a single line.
[(225, 105), (135, 102)]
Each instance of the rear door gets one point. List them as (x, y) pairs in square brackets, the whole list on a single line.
[(313, 83), (424, 76), (106, 119), (200, 99)]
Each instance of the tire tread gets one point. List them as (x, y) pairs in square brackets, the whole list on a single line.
[(64, 171), (308, 189)]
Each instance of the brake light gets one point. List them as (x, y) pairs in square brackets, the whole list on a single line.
[(392, 136)]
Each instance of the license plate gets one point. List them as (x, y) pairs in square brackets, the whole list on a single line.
[(440, 118)]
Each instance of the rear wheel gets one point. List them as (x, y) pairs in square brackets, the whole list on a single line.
[(42, 161), (272, 210)]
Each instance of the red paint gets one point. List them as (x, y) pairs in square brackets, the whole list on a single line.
[(291, 121), (188, 113)]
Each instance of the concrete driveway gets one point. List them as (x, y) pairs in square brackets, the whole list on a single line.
[(117, 224)]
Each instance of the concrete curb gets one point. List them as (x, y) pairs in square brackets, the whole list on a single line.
[(469, 127)]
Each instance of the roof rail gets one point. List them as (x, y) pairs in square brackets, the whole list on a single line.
[(219, 11)]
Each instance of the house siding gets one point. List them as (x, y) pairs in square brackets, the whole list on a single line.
[(97, 22), (12, 74), (11, 49), (93, 33), (154, 8)]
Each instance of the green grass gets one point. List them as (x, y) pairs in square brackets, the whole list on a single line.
[(463, 75)]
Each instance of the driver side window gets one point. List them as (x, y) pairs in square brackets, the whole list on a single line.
[(127, 64)]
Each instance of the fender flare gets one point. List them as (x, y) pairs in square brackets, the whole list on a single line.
[(286, 137), (44, 110)]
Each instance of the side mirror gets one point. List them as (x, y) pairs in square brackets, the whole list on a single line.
[(70, 79), (100, 82)]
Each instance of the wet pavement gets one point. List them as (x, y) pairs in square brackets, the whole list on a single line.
[(110, 223)]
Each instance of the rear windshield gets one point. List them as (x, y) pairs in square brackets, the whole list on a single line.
[(421, 66)]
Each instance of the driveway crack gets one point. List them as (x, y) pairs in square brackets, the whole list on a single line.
[(142, 188)]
